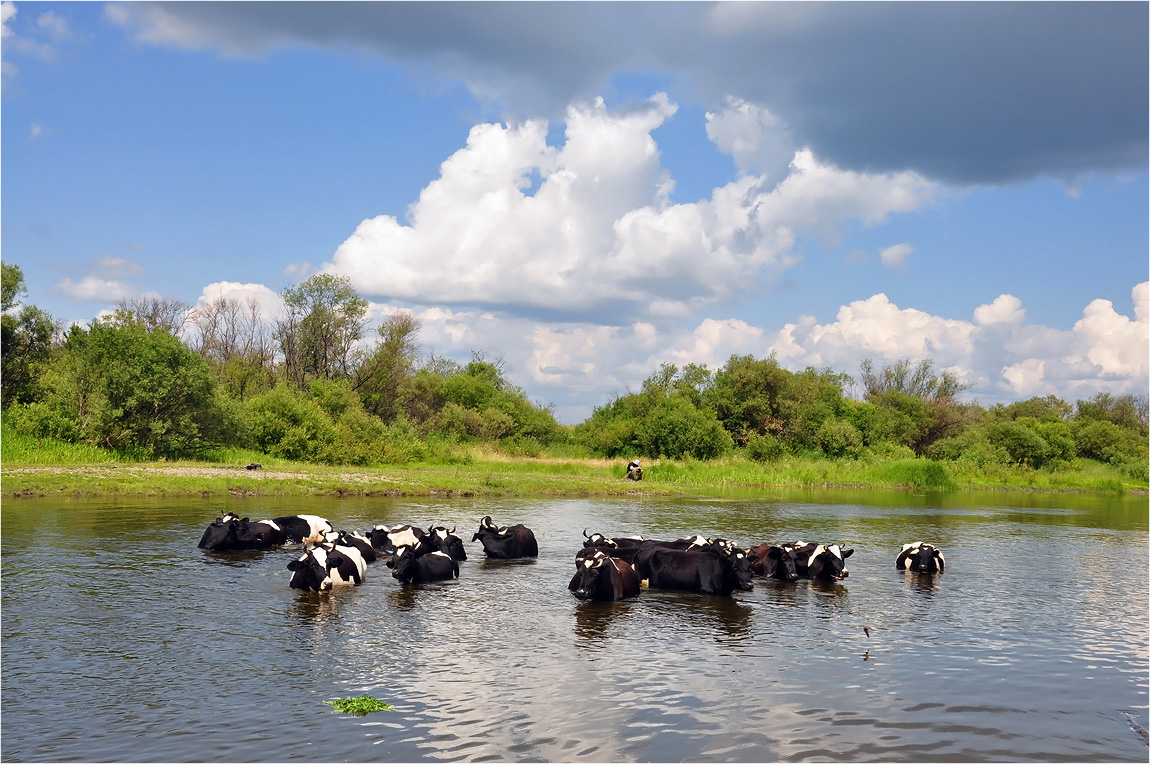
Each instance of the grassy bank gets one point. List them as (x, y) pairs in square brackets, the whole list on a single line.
[(29, 467)]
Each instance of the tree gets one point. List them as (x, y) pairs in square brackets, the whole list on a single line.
[(155, 313), (123, 387), (237, 343), (385, 374), (25, 340), (318, 336), (926, 402)]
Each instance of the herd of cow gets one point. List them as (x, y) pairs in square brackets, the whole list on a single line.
[(605, 568)]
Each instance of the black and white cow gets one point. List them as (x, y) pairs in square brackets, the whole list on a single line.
[(385, 538), (819, 560), (599, 576), (324, 566), (918, 557), (506, 542), (439, 539), (772, 561), (351, 538), (712, 570), (409, 568), (230, 532)]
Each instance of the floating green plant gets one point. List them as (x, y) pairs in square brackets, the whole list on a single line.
[(359, 706)]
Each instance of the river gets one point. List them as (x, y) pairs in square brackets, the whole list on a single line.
[(121, 641)]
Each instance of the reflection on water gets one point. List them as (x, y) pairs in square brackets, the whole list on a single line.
[(998, 658)]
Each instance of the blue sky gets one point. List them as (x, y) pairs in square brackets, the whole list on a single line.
[(588, 190)]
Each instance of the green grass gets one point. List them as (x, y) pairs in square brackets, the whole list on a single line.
[(358, 706), (32, 467)]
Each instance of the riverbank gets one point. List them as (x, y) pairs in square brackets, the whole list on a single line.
[(486, 474)]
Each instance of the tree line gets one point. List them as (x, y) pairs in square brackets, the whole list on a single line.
[(162, 379)]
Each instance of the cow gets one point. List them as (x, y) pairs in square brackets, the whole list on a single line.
[(409, 568), (439, 539), (507, 542), (634, 471), (386, 538), (230, 532), (772, 561), (918, 557), (599, 576), (819, 560), (351, 538), (324, 566), (711, 570)]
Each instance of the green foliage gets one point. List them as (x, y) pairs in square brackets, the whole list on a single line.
[(745, 395), (921, 474), (125, 388), (25, 341), (1050, 408), (676, 429), (1021, 443), (324, 321), (359, 706), (765, 448), (289, 425), (839, 438)]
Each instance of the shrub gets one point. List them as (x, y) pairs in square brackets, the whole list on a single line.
[(1022, 444), (765, 448), (838, 438)]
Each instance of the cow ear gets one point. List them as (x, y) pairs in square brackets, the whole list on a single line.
[(847, 553), (295, 565)]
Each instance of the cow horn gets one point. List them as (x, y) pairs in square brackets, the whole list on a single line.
[(585, 534), (452, 529)]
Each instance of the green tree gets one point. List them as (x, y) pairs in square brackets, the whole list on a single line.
[(25, 340), (318, 335), (123, 387), (384, 378)]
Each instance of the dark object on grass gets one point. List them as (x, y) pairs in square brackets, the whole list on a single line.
[(253, 466), (634, 471)]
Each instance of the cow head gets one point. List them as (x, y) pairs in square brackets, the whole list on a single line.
[(310, 571), (590, 564), (485, 527), (598, 540), (442, 540), (402, 563), (221, 534), (920, 558), (736, 561), (828, 562)]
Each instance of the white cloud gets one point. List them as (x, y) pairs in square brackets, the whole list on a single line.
[(895, 256), (269, 302), (598, 236), (1006, 309), (113, 267), (96, 289), (757, 140)]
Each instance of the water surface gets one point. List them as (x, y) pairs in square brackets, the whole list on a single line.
[(122, 641)]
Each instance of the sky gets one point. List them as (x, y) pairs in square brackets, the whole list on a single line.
[(586, 191)]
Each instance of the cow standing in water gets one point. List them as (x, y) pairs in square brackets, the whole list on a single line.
[(325, 566), (772, 561), (716, 569), (232, 533), (918, 557), (507, 542), (820, 560), (599, 576), (408, 567)]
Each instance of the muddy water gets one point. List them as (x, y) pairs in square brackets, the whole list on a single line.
[(121, 641)]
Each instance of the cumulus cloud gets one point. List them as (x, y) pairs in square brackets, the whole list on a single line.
[(1050, 88), (270, 304), (97, 289), (598, 235), (757, 140), (895, 256)]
